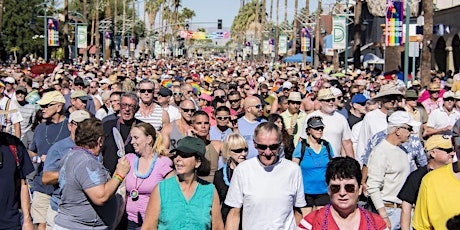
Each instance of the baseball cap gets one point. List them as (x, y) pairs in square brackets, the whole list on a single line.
[(315, 122), (78, 81), (191, 145), (205, 97), (438, 141), (21, 89), (80, 94), (79, 116), (358, 99), (336, 91), (448, 94), (10, 80), (401, 118), (287, 85), (50, 97), (105, 81), (164, 92)]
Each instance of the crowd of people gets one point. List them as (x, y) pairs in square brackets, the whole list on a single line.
[(219, 144)]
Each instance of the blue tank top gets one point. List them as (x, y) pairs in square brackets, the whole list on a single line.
[(178, 213)]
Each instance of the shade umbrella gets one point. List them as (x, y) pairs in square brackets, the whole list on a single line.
[(42, 68)]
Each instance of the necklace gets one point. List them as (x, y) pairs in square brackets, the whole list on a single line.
[(368, 219), (134, 193), (57, 136), (226, 171)]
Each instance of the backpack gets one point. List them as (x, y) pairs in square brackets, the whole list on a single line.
[(305, 145)]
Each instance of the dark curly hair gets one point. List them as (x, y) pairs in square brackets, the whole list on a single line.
[(343, 168)]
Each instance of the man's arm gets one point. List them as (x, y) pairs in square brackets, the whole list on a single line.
[(406, 215), (348, 147), (25, 205), (431, 131), (216, 215), (233, 219), (165, 118), (50, 177), (165, 132), (17, 129)]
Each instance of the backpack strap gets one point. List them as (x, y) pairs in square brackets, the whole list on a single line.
[(14, 150), (302, 150), (328, 148)]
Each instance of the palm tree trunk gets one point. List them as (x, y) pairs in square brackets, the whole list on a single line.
[(262, 28), (271, 10), (123, 27), (108, 14), (115, 22), (98, 47), (285, 10), (295, 29), (256, 22), (66, 31), (318, 33), (357, 34), (133, 18), (427, 39), (277, 34), (1, 16), (85, 15)]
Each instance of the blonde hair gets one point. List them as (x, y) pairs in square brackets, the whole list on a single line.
[(233, 139), (157, 144)]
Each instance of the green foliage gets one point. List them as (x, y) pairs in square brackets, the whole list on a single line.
[(17, 16), (245, 17)]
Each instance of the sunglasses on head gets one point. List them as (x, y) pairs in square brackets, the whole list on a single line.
[(240, 150), (264, 147), (335, 188), (146, 90), (222, 117), (188, 110)]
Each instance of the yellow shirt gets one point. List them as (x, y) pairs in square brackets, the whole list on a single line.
[(438, 199), (290, 121)]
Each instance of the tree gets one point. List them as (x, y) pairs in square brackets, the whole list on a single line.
[(357, 34), (295, 29), (427, 7)]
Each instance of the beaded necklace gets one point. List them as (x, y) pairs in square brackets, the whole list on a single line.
[(368, 219), (134, 193), (57, 137), (226, 171)]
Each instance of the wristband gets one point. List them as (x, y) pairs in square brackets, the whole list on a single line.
[(122, 177), (384, 217), (118, 178)]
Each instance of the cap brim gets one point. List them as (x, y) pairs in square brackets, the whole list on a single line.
[(414, 123)]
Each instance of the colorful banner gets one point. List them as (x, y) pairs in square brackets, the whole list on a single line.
[(132, 44), (305, 40), (266, 47), (271, 45), (394, 35), (339, 26), (204, 35), (53, 32), (82, 41), (282, 47), (255, 50)]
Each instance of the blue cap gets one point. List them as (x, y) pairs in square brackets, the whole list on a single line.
[(358, 98)]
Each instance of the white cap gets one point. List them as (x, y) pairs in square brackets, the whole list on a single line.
[(287, 85), (336, 91), (260, 79), (401, 118)]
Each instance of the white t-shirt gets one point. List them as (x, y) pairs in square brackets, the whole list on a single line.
[(10, 118), (374, 122), (335, 131), (439, 119), (267, 194), (355, 130), (173, 113)]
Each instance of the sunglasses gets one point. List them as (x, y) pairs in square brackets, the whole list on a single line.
[(335, 188), (329, 100), (318, 128), (189, 92), (449, 99), (124, 105), (259, 106), (188, 110), (295, 102), (146, 90), (446, 150), (234, 101), (222, 117), (240, 150), (46, 106), (183, 155), (264, 147), (340, 98), (410, 129), (219, 97), (177, 94)]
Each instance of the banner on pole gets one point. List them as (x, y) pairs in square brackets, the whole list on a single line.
[(394, 35), (256, 49), (81, 37), (204, 35), (53, 32), (339, 27), (271, 45), (282, 47), (158, 48), (266, 47), (305, 40)]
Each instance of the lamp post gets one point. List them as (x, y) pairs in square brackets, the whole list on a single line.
[(44, 6)]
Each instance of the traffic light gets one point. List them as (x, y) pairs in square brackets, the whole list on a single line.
[(219, 24)]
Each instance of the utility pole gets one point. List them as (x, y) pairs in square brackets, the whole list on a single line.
[(132, 27), (318, 32), (307, 20)]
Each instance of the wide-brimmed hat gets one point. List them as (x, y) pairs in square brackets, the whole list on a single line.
[(325, 94), (388, 90), (53, 96), (434, 87), (294, 96)]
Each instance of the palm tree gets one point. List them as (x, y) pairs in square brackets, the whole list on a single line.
[(277, 34), (318, 32), (357, 35), (285, 10), (66, 31), (427, 7), (295, 29)]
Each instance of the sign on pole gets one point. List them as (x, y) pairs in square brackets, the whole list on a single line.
[(81, 37), (282, 47), (255, 50), (53, 32), (394, 35), (266, 47), (339, 26)]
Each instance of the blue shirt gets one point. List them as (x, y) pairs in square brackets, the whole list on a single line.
[(52, 163), (246, 129), (313, 166), (413, 147)]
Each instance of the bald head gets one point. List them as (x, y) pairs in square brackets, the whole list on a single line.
[(251, 101)]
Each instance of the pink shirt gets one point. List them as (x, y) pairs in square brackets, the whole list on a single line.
[(145, 186)]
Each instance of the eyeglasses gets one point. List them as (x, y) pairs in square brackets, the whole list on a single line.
[(146, 90), (264, 147), (410, 129), (177, 94), (130, 106), (115, 101), (234, 101), (245, 149), (259, 106), (446, 150), (329, 100), (222, 117), (188, 110), (335, 188), (314, 91), (46, 106), (92, 87)]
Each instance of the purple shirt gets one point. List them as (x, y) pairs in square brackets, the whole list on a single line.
[(144, 186)]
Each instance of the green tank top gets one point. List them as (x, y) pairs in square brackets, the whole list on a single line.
[(178, 213)]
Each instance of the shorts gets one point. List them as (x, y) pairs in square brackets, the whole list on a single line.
[(317, 199), (40, 204), (50, 215)]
